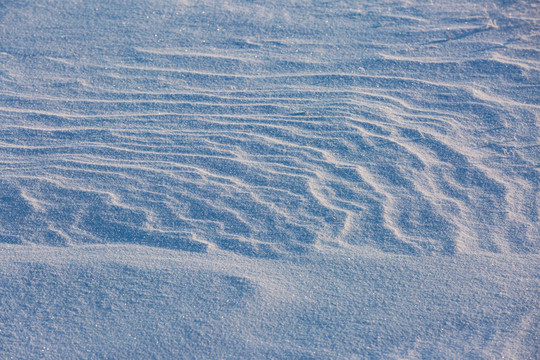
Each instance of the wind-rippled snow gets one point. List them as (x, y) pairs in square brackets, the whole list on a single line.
[(277, 131)]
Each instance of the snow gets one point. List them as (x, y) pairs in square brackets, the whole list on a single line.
[(269, 179)]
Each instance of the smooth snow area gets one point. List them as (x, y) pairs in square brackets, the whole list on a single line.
[(239, 179)]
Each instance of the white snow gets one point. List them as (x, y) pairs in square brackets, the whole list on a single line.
[(269, 179)]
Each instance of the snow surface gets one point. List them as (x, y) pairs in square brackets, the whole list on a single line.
[(269, 179)]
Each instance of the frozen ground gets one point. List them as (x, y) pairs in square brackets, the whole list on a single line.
[(269, 179)]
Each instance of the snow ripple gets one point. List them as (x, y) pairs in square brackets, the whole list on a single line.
[(270, 146)]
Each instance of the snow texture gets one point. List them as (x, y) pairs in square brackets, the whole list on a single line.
[(269, 179)]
